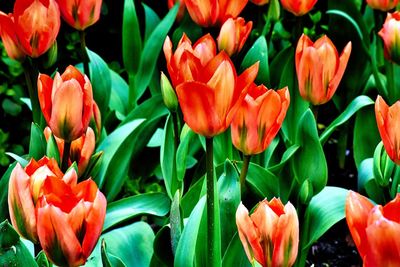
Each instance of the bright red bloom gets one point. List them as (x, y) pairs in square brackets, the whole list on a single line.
[(319, 68), (271, 234), (70, 220), (233, 35), (390, 34), (383, 5), (66, 103), (80, 14), (375, 230), (298, 7), (9, 37), (259, 118)]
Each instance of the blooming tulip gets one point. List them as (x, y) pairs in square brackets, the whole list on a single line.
[(260, 2), (383, 5), (319, 68), (25, 187), (390, 34), (9, 37), (233, 35), (259, 118), (210, 98), (66, 103), (80, 14), (375, 230), (387, 119), (271, 234), (298, 7), (69, 220), (182, 8)]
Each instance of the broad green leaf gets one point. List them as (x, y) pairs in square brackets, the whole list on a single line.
[(52, 150), (190, 199), (42, 260), (183, 150), (278, 64), (261, 181), (162, 248), (120, 211), (176, 220), (258, 52), (131, 38), (4, 192), (119, 94), (355, 105), (366, 181), (37, 143), (151, 21), (223, 148), (109, 260), (235, 254), (19, 159), (151, 108), (287, 155)]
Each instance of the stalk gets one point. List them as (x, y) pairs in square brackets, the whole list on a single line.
[(243, 173), (31, 75), (65, 157), (85, 56)]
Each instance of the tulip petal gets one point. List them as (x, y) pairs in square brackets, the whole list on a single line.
[(204, 13), (205, 49), (391, 210), (45, 87)]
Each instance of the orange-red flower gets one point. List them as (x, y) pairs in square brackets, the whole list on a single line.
[(259, 118), (390, 34), (383, 5), (9, 37), (80, 14), (298, 7), (260, 2), (375, 230), (66, 103), (69, 220), (233, 35), (319, 68), (270, 235), (182, 8), (24, 190), (388, 121)]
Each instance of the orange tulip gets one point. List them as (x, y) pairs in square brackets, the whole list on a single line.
[(383, 5), (390, 34), (66, 103), (259, 118), (201, 52), (69, 220), (36, 23), (80, 14), (298, 7), (271, 234), (375, 230), (230, 9), (387, 119), (9, 37), (260, 2), (211, 97), (233, 35), (24, 190), (319, 68), (182, 8)]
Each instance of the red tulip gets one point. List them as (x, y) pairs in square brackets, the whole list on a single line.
[(66, 103), (182, 8), (388, 120), (233, 35), (260, 2), (271, 234), (230, 9), (298, 7), (375, 230), (36, 23), (259, 118), (70, 220), (319, 68), (80, 14), (390, 34), (9, 37), (24, 190), (383, 5), (211, 97)]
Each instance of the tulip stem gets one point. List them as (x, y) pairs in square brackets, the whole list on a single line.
[(65, 157), (392, 92), (85, 56), (176, 129), (243, 172), (314, 109), (31, 75)]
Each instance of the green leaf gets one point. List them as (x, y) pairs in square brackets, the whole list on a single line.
[(131, 38), (4, 192), (119, 94), (120, 211), (366, 181), (235, 254), (191, 198), (287, 155), (260, 180), (183, 150), (355, 105), (176, 221), (107, 259), (258, 52), (151, 51), (151, 21), (162, 248), (42, 260), (37, 143), (52, 149)]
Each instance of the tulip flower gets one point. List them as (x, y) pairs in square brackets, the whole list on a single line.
[(203, 51), (24, 190), (319, 68), (233, 35), (390, 34), (271, 234), (387, 119), (211, 97), (383, 5), (260, 2), (375, 230), (9, 37), (259, 118), (182, 8), (69, 220), (66, 103), (298, 7), (80, 14)]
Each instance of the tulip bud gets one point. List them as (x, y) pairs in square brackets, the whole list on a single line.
[(383, 166), (9, 37), (168, 93), (298, 7), (80, 14), (382, 5), (390, 34), (306, 192), (233, 35)]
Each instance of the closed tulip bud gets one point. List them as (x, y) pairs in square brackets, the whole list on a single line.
[(375, 230), (259, 118), (168, 93), (182, 8), (69, 220), (306, 192), (9, 37), (319, 68), (271, 234), (383, 5), (66, 103), (298, 7), (24, 190), (390, 34), (233, 35), (36, 23), (260, 2), (80, 14)]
